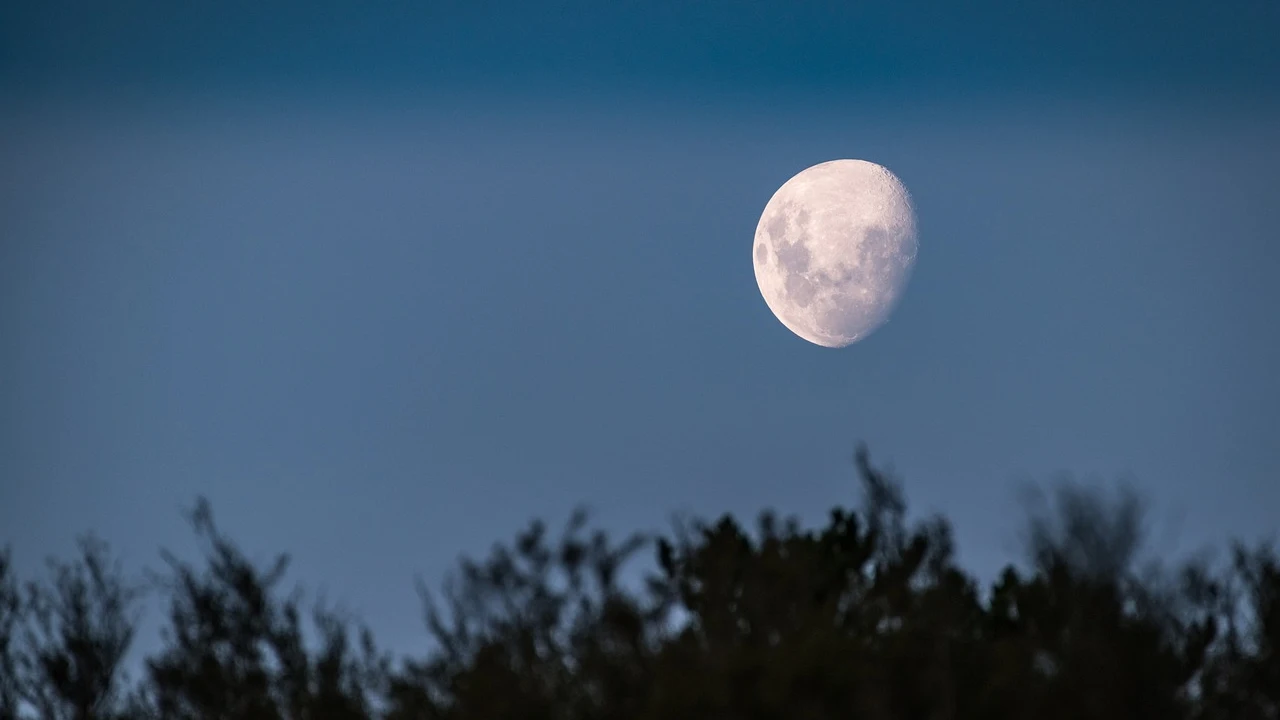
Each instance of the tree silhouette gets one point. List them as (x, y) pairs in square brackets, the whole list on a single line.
[(237, 650), (11, 615), (867, 616), (64, 643)]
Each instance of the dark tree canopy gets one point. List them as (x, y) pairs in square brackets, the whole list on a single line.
[(868, 616)]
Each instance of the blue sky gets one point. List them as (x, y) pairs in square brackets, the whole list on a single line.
[(384, 284)]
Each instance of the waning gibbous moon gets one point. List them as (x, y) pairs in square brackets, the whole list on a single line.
[(834, 250)]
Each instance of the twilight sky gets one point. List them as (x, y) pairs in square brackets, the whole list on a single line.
[(386, 280)]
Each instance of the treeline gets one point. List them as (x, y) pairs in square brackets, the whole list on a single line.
[(868, 616)]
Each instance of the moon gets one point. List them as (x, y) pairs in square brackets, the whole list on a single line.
[(834, 250)]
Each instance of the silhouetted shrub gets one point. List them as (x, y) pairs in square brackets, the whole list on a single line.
[(868, 616)]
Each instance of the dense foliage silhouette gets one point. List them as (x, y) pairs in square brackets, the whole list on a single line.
[(868, 616)]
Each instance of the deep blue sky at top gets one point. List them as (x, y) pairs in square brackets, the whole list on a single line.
[(914, 47), (386, 280)]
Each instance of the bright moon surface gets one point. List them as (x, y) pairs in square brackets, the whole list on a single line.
[(834, 249)]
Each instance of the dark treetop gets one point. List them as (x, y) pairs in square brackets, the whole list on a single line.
[(866, 617)]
